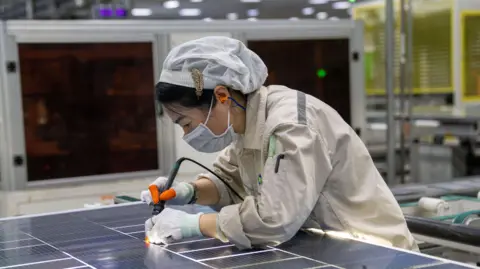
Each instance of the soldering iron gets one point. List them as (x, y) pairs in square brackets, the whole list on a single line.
[(160, 197)]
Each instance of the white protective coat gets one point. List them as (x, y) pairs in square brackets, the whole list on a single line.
[(326, 179)]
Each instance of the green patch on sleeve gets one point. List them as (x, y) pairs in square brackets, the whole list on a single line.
[(272, 146)]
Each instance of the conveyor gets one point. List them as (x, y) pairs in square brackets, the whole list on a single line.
[(413, 192)]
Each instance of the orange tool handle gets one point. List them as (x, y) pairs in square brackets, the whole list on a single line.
[(164, 196), (154, 193), (168, 195)]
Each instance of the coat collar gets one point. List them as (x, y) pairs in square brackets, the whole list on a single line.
[(255, 119)]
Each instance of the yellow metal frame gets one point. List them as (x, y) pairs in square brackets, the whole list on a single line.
[(418, 91), (463, 17), (379, 4), (452, 46), (366, 6), (371, 6)]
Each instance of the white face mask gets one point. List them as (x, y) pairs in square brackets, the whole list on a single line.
[(204, 140)]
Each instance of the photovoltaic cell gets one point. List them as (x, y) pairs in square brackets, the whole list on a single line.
[(6, 236), (97, 246), (75, 235), (291, 263), (134, 251), (193, 245), (248, 259), (158, 257), (113, 238), (445, 266), (216, 252), (29, 255), (124, 222), (18, 243), (67, 263), (140, 236), (354, 253), (131, 229)]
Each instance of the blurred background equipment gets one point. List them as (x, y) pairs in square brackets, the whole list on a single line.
[(436, 111)]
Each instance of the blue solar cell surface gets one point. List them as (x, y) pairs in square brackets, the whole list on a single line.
[(113, 238)]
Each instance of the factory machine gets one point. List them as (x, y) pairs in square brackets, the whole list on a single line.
[(447, 225), (437, 108)]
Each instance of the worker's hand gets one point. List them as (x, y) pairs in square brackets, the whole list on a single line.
[(172, 225), (184, 192)]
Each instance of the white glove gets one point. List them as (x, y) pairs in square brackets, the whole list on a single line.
[(172, 225), (183, 190)]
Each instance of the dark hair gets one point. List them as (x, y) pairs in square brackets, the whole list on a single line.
[(173, 95)]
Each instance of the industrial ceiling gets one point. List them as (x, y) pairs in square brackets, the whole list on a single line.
[(176, 9)]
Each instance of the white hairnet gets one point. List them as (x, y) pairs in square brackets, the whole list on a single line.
[(221, 60)]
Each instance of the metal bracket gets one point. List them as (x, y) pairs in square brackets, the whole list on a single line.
[(355, 56), (11, 67), (18, 160)]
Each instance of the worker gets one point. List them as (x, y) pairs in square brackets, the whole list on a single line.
[(292, 158)]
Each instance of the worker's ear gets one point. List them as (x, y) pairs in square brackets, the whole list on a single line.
[(221, 94)]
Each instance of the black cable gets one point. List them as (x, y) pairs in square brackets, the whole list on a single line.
[(177, 167), (158, 208), (174, 171)]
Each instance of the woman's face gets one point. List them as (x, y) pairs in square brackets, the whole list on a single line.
[(190, 118)]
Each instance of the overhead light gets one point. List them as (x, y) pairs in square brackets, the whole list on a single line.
[(293, 19), (250, 1), (121, 12), (208, 19), (196, 1), (341, 5), (232, 16), (322, 15), (318, 2), (141, 12), (171, 4), (189, 12), (308, 11), (105, 12), (252, 19), (252, 12)]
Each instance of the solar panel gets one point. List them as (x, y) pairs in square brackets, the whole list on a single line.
[(112, 237)]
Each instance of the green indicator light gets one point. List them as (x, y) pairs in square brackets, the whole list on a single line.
[(321, 73), (352, 1)]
